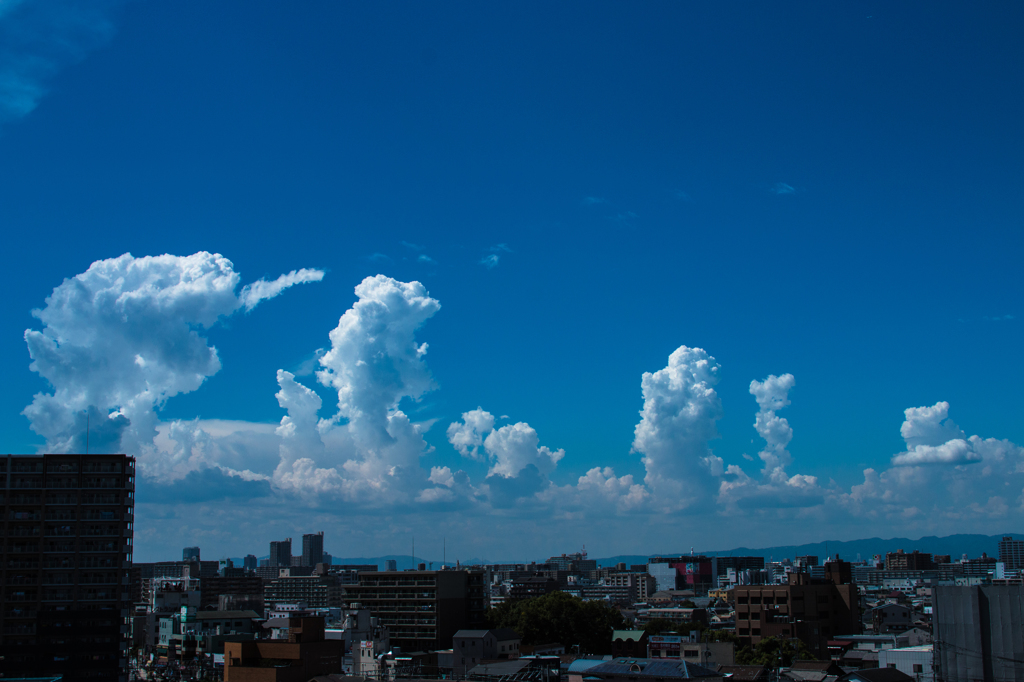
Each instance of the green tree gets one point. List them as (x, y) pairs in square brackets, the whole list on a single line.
[(562, 618), (773, 652), (656, 626)]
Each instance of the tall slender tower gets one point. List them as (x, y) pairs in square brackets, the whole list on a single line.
[(312, 549)]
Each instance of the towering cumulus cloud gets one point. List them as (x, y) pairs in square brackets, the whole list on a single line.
[(370, 449), (776, 488), (126, 335), (677, 422)]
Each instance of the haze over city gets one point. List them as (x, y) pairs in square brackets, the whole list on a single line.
[(512, 280)]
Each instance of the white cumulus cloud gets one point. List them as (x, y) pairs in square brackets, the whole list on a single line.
[(468, 435), (677, 423), (124, 337), (374, 362)]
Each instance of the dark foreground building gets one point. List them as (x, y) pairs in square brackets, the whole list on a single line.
[(979, 633), (64, 565)]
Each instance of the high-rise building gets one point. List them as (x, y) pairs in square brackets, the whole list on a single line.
[(68, 526), (250, 562), (281, 553), (1011, 553), (313, 549), (190, 554)]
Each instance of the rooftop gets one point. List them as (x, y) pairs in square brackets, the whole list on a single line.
[(651, 667)]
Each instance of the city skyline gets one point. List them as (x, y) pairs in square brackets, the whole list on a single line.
[(643, 280)]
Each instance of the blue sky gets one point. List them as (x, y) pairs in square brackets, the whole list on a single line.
[(827, 191)]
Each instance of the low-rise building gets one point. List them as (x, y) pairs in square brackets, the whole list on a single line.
[(629, 644), (891, 617), (915, 661), (473, 647), (303, 656)]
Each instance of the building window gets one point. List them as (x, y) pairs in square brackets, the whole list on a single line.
[(918, 668)]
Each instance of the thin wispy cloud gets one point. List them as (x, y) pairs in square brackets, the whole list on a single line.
[(681, 195), (624, 217), (414, 247), (490, 262), (424, 258), (999, 318), (592, 201), (782, 188), (39, 39), (379, 258), (498, 248), (310, 364)]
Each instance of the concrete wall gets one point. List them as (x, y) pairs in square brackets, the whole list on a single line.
[(978, 633)]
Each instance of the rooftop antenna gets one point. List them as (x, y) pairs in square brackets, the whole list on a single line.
[(87, 431), (413, 566)]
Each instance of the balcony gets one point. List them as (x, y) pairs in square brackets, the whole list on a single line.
[(24, 549), (22, 483), (21, 595), (58, 595), (93, 482), (55, 547), (102, 467)]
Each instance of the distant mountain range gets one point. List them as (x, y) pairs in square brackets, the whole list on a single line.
[(954, 545)]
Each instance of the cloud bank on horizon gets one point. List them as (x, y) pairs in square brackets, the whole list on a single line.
[(121, 339)]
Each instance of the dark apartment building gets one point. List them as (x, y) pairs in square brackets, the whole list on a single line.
[(312, 549), (190, 554), (212, 587), (281, 553), (914, 561), (316, 591), (738, 563), (66, 553), (1011, 553), (423, 609), (814, 610), (532, 586)]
